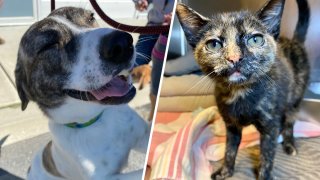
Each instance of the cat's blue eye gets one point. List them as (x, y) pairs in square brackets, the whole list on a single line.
[(255, 40), (214, 45)]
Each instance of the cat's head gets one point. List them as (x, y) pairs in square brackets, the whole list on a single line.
[(237, 47)]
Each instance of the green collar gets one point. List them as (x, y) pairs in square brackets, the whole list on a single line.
[(86, 124)]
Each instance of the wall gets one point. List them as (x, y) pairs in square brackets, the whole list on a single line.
[(25, 12), (16, 8)]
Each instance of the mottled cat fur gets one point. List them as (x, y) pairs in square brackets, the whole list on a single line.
[(259, 84)]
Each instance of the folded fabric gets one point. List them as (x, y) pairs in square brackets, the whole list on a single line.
[(187, 85), (184, 143), (185, 103)]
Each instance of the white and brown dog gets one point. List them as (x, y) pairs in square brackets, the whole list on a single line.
[(78, 75)]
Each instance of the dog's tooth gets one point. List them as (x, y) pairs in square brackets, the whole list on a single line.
[(129, 79), (124, 72)]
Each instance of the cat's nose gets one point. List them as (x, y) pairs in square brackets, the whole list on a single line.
[(234, 58)]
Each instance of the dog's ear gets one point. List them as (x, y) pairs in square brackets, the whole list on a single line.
[(270, 15), (21, 80), (191, 22)]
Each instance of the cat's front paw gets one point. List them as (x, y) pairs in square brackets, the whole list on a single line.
[(222, 173), (289, 149)]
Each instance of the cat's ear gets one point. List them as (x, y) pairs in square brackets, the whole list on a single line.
[(191, 22), (270, 15)]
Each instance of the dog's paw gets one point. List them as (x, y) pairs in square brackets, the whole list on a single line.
[(222, 173), (289, 149)]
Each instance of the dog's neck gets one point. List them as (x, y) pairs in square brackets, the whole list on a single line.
[(77, 125), (75, 111)]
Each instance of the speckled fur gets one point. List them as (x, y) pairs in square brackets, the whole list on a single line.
[(37, 78), (272, 82)]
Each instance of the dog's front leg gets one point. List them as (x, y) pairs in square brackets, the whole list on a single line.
[(233, 141), (268, 143), (142, 143)]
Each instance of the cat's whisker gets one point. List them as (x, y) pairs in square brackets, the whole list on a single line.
[(205, 87), (208, 87), (203, 91), (268, 78), (145, 57), (203, 78)]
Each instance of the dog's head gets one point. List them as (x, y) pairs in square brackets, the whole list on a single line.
[(66, 55)]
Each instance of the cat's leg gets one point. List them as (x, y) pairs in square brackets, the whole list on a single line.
[(233, 141), (269, 132), (288, 139), (287, 133)]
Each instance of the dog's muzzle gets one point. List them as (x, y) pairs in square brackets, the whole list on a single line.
[(116, 48)]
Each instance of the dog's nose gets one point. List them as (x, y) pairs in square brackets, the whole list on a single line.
[(116, 47)]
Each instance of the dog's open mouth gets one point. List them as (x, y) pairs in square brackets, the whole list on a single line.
[(118, 90), (117, 87)]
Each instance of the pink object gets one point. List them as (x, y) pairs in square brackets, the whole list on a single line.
[(183, 143), (115, 88)]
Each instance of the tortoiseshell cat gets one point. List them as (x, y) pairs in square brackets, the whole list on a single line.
[(260, 78)]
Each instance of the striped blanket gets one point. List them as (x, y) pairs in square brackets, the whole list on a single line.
[(183, 144)]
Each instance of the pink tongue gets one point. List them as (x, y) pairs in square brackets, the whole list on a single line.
[(115, 88)]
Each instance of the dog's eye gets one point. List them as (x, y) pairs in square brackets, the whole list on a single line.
[(91, 18), (48, 47)]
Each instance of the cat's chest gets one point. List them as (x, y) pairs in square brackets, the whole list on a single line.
[(240, 105), (242, 110)]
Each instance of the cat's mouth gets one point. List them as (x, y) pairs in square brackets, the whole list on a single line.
[(236, 76)]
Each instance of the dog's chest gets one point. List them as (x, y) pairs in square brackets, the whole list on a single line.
[(102, 147)]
